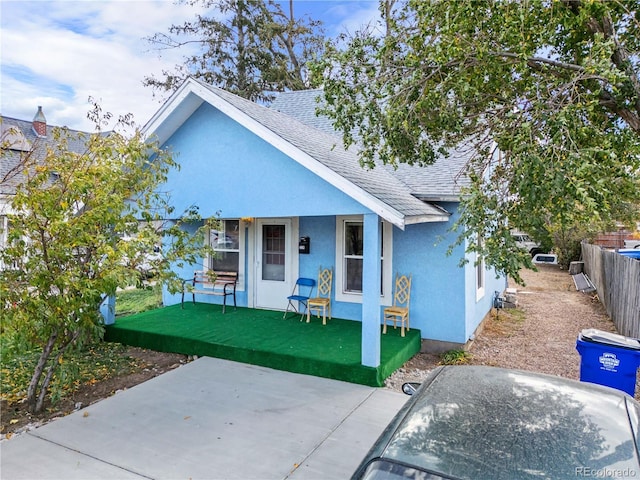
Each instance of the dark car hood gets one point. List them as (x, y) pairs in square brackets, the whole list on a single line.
[(483, 422)]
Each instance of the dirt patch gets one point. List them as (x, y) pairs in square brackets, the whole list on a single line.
[(538, 335), (15, 419)]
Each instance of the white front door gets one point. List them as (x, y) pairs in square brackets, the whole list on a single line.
[(274, 263)]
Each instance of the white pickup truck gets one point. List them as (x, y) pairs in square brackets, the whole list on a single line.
[(526, 243), (633, 243)]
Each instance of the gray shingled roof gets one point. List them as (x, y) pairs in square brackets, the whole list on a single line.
[(328, 150), (302, 105), (440, 181), (10, 173)]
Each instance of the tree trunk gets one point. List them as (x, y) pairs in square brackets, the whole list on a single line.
[(47, 379), (32, 391), (36, 395)]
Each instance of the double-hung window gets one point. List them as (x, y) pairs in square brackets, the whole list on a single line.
[(5, 226), (228, 242), (353, 257), (3, 231), (349, 259), (3, 235)]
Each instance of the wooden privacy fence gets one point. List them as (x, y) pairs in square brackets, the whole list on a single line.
[(617, 280)]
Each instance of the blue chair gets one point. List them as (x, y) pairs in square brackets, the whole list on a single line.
[(302, 291)]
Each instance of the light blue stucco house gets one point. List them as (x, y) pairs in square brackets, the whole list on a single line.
[(277, 174)]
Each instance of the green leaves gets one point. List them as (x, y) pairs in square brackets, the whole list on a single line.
[(554, 84), (87, 220), (251, 48), (95, 363)]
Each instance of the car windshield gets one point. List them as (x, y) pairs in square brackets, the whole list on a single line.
[(495, 426), (381, 469)]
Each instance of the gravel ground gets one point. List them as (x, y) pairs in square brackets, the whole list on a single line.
[(538, 335)]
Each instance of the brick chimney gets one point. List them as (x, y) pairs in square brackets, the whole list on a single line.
[(40, 123)]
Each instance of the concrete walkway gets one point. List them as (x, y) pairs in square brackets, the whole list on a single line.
[(210, 419)]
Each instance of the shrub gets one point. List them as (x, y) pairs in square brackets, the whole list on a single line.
[(455, 357)]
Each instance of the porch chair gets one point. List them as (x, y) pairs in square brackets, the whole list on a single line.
[(323, 301), (302, 290), (399, 311)]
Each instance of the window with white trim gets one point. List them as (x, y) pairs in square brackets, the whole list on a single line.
[(3, 231), (5, 225), (228, 242), (480, 273), (349, 259), (353, 257)]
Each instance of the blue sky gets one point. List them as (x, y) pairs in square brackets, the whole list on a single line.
[(59, 53)]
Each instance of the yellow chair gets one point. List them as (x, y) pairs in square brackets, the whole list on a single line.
[(399, 312), (323, 301)]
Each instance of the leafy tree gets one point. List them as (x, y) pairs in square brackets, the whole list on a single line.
[(549, 93), (65, 247), (249, 47)]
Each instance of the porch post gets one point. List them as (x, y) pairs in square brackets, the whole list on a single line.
[(371, 291), (108, 309)]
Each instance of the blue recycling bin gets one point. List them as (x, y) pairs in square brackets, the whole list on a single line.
[(609, 359)]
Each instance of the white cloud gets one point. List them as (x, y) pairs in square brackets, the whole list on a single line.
[(354, 16), (59, 53)]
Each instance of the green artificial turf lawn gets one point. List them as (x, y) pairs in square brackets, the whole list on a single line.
[(263, 337)]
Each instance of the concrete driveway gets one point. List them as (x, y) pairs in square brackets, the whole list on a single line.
[(210, 419)]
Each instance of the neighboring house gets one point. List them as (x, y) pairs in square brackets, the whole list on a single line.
[(16, 140), (19, 139), (277, 175)]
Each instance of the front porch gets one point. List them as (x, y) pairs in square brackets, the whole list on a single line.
[(263, 337)]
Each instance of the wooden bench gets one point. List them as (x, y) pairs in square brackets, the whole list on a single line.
[(211, 282)]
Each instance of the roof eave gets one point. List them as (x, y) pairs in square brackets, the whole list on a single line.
[(165, 122), (415, 219), (174, 112), (438, 198)]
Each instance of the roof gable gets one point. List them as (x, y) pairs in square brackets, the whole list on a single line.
[(318, 151)]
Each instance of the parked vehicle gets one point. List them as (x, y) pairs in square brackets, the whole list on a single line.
[(475, 422), (633, 243), (525, 242)]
